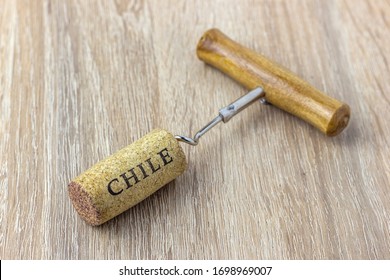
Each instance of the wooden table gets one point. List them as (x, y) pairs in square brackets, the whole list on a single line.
[(79, 80)]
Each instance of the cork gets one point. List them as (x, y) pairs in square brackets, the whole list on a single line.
[(127, 177)]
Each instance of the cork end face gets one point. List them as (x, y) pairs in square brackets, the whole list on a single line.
[(339, 121), (83, 204)]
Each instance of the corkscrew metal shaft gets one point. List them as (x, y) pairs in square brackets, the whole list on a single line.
[(225, 114)]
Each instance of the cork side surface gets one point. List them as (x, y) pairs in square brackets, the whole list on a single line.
[(127, 177)]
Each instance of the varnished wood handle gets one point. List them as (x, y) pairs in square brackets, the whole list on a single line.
[(283, 89)]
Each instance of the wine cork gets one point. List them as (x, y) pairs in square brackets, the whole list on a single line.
[(127, 177)]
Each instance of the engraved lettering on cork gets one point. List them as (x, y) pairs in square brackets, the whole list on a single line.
[(131, 177)]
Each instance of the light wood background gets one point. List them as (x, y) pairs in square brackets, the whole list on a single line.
[(81, 79)]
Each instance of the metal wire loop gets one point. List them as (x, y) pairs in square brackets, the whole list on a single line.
[(226, 113)]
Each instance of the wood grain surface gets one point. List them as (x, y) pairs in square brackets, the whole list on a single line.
[(82, 79)]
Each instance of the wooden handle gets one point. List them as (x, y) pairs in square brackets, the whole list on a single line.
[(283, 89)]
